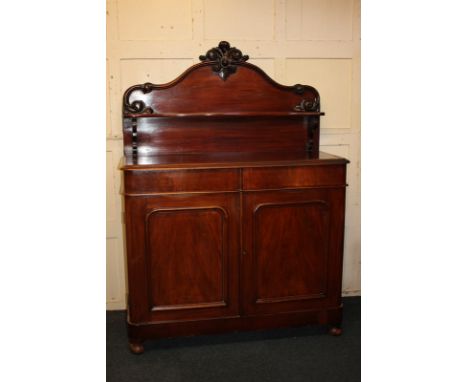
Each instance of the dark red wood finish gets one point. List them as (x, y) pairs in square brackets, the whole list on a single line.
[(218, 134), (198, 90), (183, 256), (292, 177), (203, 111), (292, 247), (187, 180), (234, 220), (229, 160)]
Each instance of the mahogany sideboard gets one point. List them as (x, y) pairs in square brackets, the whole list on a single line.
[(234, 220)]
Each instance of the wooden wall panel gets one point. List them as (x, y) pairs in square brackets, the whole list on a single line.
[(267, 64), (115, 259), (154, 20), (108, 109), (333, 78), (316, 42), (240, 19), (326, 20), (113, 284), (156, 70), (111, 193)]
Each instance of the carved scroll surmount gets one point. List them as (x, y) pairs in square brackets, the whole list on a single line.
[(224, 59), (306, 105)]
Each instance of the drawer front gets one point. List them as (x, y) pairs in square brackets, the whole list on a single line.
[(163, 181), (293, 177)]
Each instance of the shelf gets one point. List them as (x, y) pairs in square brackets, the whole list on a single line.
[(227, 114)]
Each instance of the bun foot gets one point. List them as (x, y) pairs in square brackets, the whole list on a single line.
[(136, 348), (334, 331)]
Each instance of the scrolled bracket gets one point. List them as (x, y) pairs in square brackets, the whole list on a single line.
[(225, 59), (137, 107), (307, 105)]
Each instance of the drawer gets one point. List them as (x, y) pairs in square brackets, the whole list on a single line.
[(162, 181), (293, 176)]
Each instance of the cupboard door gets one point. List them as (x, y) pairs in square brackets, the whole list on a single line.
[(184, 257), (292, 250)]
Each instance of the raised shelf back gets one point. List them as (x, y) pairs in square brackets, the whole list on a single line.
[(220, 105)]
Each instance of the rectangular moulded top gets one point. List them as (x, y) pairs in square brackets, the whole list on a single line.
[(228, 160)]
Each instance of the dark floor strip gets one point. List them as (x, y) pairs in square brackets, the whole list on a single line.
[(291, 354)]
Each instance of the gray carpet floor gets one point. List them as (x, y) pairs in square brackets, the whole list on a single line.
[(291, 355)]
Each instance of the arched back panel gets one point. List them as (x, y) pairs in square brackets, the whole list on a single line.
[(222, 104)]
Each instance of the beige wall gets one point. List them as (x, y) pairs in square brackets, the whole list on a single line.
[(314, 42)]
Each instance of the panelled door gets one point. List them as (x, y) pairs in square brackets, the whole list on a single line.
[(291, 257), (184, 262)]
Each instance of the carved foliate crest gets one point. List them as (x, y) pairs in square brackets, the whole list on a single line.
[(225, 59)]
